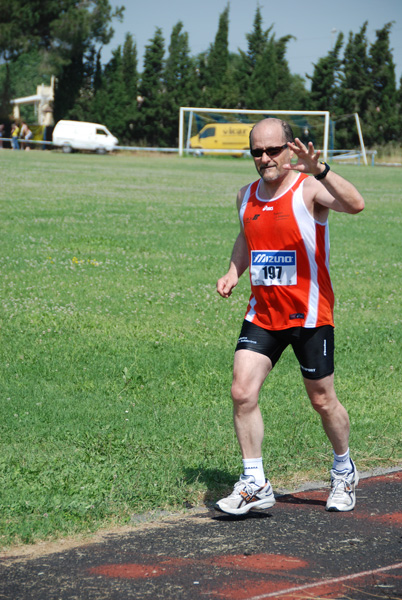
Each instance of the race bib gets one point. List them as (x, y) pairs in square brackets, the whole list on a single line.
[(273, 267)]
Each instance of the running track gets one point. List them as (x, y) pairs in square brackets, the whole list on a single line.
[(295, 551)]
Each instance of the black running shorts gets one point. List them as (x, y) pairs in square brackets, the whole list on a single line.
[(313, 347)]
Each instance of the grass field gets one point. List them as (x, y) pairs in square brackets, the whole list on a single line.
[(116, 351)]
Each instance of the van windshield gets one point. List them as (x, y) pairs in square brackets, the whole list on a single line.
[(210, 132)]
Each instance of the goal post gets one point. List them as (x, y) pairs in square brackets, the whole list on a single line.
[(196, 138)]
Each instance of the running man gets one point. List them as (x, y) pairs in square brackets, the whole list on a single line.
[(284, 241)]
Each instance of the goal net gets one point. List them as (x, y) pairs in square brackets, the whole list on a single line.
[(221, 131)]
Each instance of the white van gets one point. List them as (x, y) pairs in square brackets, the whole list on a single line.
[(80, 135)]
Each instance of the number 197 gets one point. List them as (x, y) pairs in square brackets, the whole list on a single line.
[(272, 272)]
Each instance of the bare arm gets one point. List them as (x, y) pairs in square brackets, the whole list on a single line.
[(238, 260), (333, 192), (238, 264)]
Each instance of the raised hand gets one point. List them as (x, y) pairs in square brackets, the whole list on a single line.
[(307, 158)]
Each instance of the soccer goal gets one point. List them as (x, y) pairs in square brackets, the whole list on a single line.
[(220, 131)]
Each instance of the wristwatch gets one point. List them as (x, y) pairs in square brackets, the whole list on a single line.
[(324, 172)]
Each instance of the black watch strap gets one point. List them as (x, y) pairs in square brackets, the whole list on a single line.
[(324, 172)]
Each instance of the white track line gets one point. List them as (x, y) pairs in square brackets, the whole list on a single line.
[(308, 586)]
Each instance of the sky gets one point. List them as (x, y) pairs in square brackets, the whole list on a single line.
[(315, 25)]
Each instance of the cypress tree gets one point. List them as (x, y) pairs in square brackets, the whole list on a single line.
[(263, 82), (179, 78), (151, 116), (217, 63), (399, 109), (381, 117), (325, 79), (355, 86), (257, 41), (284, 97), (111, 102), (130, 77)]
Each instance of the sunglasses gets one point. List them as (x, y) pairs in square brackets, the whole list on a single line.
[(258, 152)]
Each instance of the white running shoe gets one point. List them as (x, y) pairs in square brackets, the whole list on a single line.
[(343, 496), (246, 496)]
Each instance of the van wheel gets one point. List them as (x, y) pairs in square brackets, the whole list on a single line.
[(66, 149), (100, 151)]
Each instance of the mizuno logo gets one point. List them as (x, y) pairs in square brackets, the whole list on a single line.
[(273, 258)]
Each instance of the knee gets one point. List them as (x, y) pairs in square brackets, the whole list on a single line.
[(243, 396), (324, 402)]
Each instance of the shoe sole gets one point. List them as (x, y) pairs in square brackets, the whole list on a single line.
[(255, 506)]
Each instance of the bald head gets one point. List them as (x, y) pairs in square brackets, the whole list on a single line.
[(272, 124)]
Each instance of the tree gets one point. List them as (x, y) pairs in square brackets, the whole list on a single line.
[(325, 79), (216, 64), (179, 80), (263, 81), (112, 102), (65, 33), (53, 26), (381, 117), (257, 42), (284, 97), (151, 112), (130, 77), (399, 109), (266, 81), (354, 89)]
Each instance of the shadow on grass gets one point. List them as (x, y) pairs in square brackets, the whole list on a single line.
[(216, 480)]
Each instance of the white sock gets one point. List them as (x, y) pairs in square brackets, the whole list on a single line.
[(342, 462), (254, 467)]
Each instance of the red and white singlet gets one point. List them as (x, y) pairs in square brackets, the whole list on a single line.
[(288, 261)]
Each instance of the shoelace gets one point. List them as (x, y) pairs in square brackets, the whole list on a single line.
[(338, 481), (248, 488)]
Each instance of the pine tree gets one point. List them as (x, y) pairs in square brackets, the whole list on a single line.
[(98, 75), (130, 77), (263, 82), (130, 67), (267, 82), (284, 98), (151, 115), (355, 87), (325, 79), (399, 110), (84, 98), (257, 42), (116, 107), (217, 62), (74, 34), (110, 104), (381, 117), (179, 79)]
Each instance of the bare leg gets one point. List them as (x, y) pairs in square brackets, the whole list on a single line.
[(334, 416), (249, 372)]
